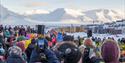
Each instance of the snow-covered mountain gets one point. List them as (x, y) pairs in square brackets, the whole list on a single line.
[(63, 14), (56, 15), (30, 12), (9, 17), (60, 15), (104, 15)]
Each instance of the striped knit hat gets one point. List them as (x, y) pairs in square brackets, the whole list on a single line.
[(15, 50)]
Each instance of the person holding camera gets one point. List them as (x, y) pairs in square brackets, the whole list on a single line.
[(41, 53)]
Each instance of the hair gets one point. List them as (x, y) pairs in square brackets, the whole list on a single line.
[(110, 51)]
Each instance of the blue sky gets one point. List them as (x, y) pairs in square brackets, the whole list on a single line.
[(20, 6)]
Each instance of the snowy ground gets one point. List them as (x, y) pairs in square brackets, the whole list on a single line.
[(83, 34)]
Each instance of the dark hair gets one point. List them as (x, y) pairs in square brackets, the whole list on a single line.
[(49, 39)]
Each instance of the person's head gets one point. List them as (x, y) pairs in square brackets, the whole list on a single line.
[(70, 52), (93, 39), (15, 50), (15, 55), (21, 45), (10, 39), (2, 51), (33, 41), (88, 42), (110, 51)]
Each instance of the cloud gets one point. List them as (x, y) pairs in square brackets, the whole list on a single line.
[(30, 12), (36, 4)]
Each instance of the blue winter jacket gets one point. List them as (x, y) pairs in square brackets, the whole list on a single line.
[(51, 57)]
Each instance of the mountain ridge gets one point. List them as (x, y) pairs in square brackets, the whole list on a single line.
[(60, 15)]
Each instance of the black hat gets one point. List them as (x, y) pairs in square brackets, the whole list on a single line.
[(71, 52)]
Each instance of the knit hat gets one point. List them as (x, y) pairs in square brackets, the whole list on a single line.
[(21, 38), (110, 51), (15, 50), (2, 51), (88, 42), (71, 52)]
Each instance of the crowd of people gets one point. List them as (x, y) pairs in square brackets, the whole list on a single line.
[(21, 44)]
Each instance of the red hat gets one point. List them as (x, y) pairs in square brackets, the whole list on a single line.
[(88, 42)]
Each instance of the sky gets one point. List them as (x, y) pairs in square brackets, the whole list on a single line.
[(21, 6)]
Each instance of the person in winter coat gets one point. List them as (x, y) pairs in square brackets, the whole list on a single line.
[(1, 28), (54, 41), (1, 39), (80, 40), (59, 37), (89, 47), (15, 55), (41, 53), (22, 46), (30, 49), (51, 57), (2, 51), (110, 51), (2, 54), (22, 32)]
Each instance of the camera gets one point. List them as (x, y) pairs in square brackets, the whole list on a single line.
[(40, 50), (41, 44)]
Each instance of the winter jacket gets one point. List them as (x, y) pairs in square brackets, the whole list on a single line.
[(1, 39), (59, 37), (2, 59), (29, 51), (15, 59), (51, 57)]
